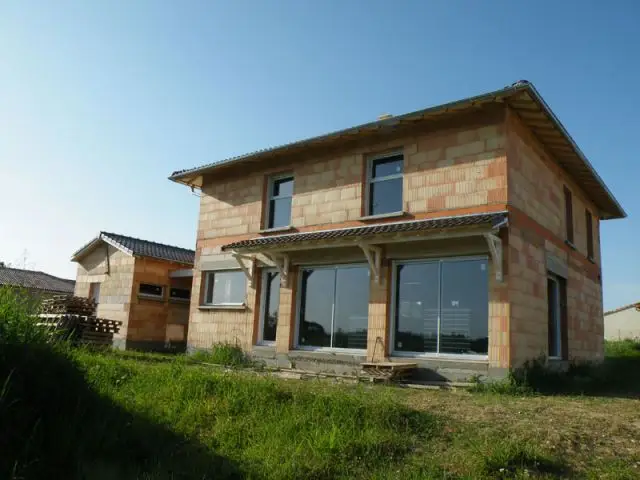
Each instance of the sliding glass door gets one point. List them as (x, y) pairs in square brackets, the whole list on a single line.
[(441, 307), (333, 307)]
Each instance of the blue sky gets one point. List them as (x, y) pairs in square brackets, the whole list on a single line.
[(101, 101)]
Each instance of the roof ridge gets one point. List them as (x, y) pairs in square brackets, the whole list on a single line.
[(109, 234)]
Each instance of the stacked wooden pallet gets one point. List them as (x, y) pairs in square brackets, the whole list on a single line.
[(81, 329), (68, 304)]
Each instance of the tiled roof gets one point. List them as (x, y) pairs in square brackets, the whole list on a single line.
[(521, 97), (145, 248), (18, 277), (493, 219), (626, 307)]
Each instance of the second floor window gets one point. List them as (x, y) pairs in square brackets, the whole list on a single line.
[(589, 225), (385, 185), (568, 214), (279, 201)]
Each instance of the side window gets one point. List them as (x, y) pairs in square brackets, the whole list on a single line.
[(589, 233), (568, 214), (150, 290), (385, 184), (557, 316), (225, 287), (279, 199), (179, 293), (94, 292)]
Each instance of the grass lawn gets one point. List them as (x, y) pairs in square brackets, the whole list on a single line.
[(68, 413)]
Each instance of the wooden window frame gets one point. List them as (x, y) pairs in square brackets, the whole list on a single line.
[(589, 233), (568, 215)]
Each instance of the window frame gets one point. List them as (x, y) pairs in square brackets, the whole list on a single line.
[(568, 216), (263, 303), (370, 180), (588, 218), (561, 313), (149, 296), (393, 301), (270, 197), (179, 299), (93, 286), (208, 274), (296, 333)]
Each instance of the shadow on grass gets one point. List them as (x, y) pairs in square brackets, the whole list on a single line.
[(518, 461), (55, 426)]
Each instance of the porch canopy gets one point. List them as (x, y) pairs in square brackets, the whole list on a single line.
[(370, 238)]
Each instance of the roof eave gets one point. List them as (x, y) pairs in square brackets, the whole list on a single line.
[(609, 208), (184, 176), (620, 212)]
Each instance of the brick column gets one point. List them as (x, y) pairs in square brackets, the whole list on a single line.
[(286, 315), (498, 322), (377, 336)]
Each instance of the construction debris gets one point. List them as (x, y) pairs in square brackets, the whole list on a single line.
[(68, 304), (74, 318)]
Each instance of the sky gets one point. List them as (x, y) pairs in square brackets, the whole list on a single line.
[(100, 101)]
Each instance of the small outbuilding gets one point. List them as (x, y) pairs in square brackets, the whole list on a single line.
[(145, 285), (623, 323)]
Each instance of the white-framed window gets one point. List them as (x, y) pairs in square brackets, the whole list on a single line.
[(279, 198), (385, 184), (440, 307), (333, 307), (150, 290), (225, 287), (556, 302), (269, 306)]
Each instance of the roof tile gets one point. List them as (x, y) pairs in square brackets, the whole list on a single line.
[(371, 230), (145, 248), (34, 279)]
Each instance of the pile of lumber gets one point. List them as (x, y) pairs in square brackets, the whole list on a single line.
[(81, 329), (68, 304)]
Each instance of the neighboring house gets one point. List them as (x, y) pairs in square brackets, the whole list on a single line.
[(145, 285), (38, 283), (623, 323), (464, 237)]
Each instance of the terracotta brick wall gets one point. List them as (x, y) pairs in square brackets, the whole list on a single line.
[(149, 318), (452, 171), (536, 187), (115, 284), (537, 229)]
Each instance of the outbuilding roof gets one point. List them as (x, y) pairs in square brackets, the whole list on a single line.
[(494, 219), (140, 248), (36, 280), (521, 97)]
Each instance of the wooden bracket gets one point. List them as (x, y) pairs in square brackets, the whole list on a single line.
[(248, 270), (374, 257), (495, 247), (282, 263)]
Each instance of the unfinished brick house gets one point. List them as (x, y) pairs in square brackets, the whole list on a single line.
[(464, 237), (145, 285)]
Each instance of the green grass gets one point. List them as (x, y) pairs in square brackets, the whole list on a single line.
[(615, 376), (82, 414), (223, 354)]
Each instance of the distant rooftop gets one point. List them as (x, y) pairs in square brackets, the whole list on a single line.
[(140, 248), (35, 279)]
